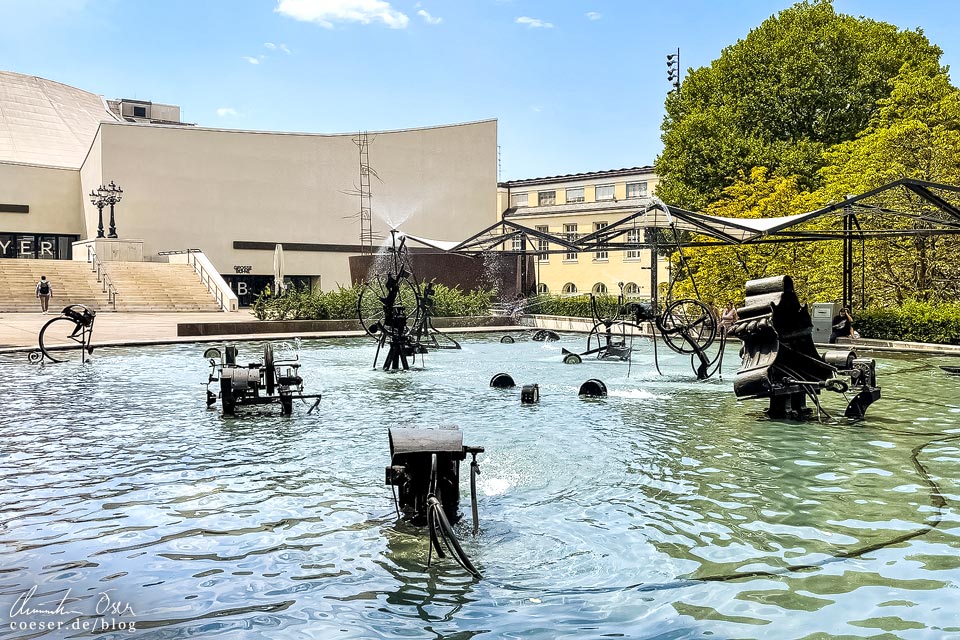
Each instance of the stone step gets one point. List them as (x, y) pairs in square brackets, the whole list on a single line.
[(140, 286)]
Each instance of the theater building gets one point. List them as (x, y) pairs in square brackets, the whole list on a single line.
[(232, 194)]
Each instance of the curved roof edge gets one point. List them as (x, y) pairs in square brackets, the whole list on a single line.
[(192, 127)]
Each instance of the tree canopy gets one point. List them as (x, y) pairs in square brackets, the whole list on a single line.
[(806, 79)]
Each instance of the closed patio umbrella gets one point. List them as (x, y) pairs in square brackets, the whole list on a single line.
[(278, 270)]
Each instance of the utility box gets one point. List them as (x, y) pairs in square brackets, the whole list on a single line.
[(822, 318)]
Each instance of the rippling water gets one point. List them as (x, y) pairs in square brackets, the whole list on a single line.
[(667, 510)]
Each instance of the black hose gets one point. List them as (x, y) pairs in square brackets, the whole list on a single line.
[(453, 545)]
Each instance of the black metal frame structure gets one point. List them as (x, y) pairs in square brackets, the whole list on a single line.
[(689, 228)]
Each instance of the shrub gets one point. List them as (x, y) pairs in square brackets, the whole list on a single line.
[(913, 322), (341, 304)]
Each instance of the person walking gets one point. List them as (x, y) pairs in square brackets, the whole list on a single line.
[(44, 293)]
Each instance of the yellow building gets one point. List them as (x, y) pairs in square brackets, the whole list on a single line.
[(576, 205)]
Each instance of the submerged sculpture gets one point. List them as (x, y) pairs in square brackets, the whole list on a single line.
[(687, 326), (780, 360), (425, 472), (72, 329), (384, 309), (267, 382)]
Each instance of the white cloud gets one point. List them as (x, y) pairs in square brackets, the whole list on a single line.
[(284, 48), (277, 47), (534, 23), (536, 108), (423, 13), (326, 12), (251, 59), (592, 15), (223, 112)]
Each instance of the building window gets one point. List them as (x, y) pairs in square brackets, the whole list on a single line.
[(542, 289), (600, 255), (517, 243), (604, 192), (575, 195), (599, 289), (571, 235), (546, 198), (633, 236), (518, 200), (636, 189), (543, 246), (631, 290), (139, 112), (569, 289)]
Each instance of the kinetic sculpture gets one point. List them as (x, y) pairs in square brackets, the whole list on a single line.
[(780, 360), (382, 309), (72, 329), (687, 326), (425, 474), (272, 381)]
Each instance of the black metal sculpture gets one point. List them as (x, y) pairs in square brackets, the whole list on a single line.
[(267, 382), (687, 326), (382, 308), (780, 360), (425, 474), (72, 329)]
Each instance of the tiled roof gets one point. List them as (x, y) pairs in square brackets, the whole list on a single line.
[(47, 123)]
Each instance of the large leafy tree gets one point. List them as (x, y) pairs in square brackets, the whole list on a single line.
[(915, 133), (721, 272), (804, 80)]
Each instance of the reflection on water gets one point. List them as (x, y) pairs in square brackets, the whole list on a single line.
[(667, 510)]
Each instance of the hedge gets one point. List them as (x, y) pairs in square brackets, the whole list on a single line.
[(913, 322), (301, 303)]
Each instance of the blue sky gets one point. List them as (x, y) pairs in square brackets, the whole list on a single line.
[(576, 85)]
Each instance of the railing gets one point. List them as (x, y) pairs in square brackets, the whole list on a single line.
[(211, 279), (102, 277)]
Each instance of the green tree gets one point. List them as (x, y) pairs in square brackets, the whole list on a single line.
[(915, 133), (722, 271), (805, 79)]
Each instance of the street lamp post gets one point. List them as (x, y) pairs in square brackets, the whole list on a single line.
[(114, 195), (98, 199), (673, 69)]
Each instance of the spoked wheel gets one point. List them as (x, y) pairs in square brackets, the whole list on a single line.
[(370, 304), (687, 326), (60, 334)]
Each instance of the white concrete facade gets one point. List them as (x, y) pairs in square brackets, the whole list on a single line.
[(189, 187)]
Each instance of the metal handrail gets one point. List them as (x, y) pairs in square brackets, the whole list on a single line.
[(102, 277), (204, 277)]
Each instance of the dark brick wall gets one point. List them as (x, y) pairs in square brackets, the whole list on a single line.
[(486, 271)]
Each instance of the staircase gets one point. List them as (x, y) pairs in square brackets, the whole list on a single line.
[(140, 286), (72, 283), (158, 286)]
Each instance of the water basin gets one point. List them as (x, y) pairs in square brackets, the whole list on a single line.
[(667, 510)]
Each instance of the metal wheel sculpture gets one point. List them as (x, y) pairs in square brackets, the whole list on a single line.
[(395, 311), (71, 330), (373, 294), (687, 326)]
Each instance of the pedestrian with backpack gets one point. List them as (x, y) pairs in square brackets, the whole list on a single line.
[(44, 293)]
